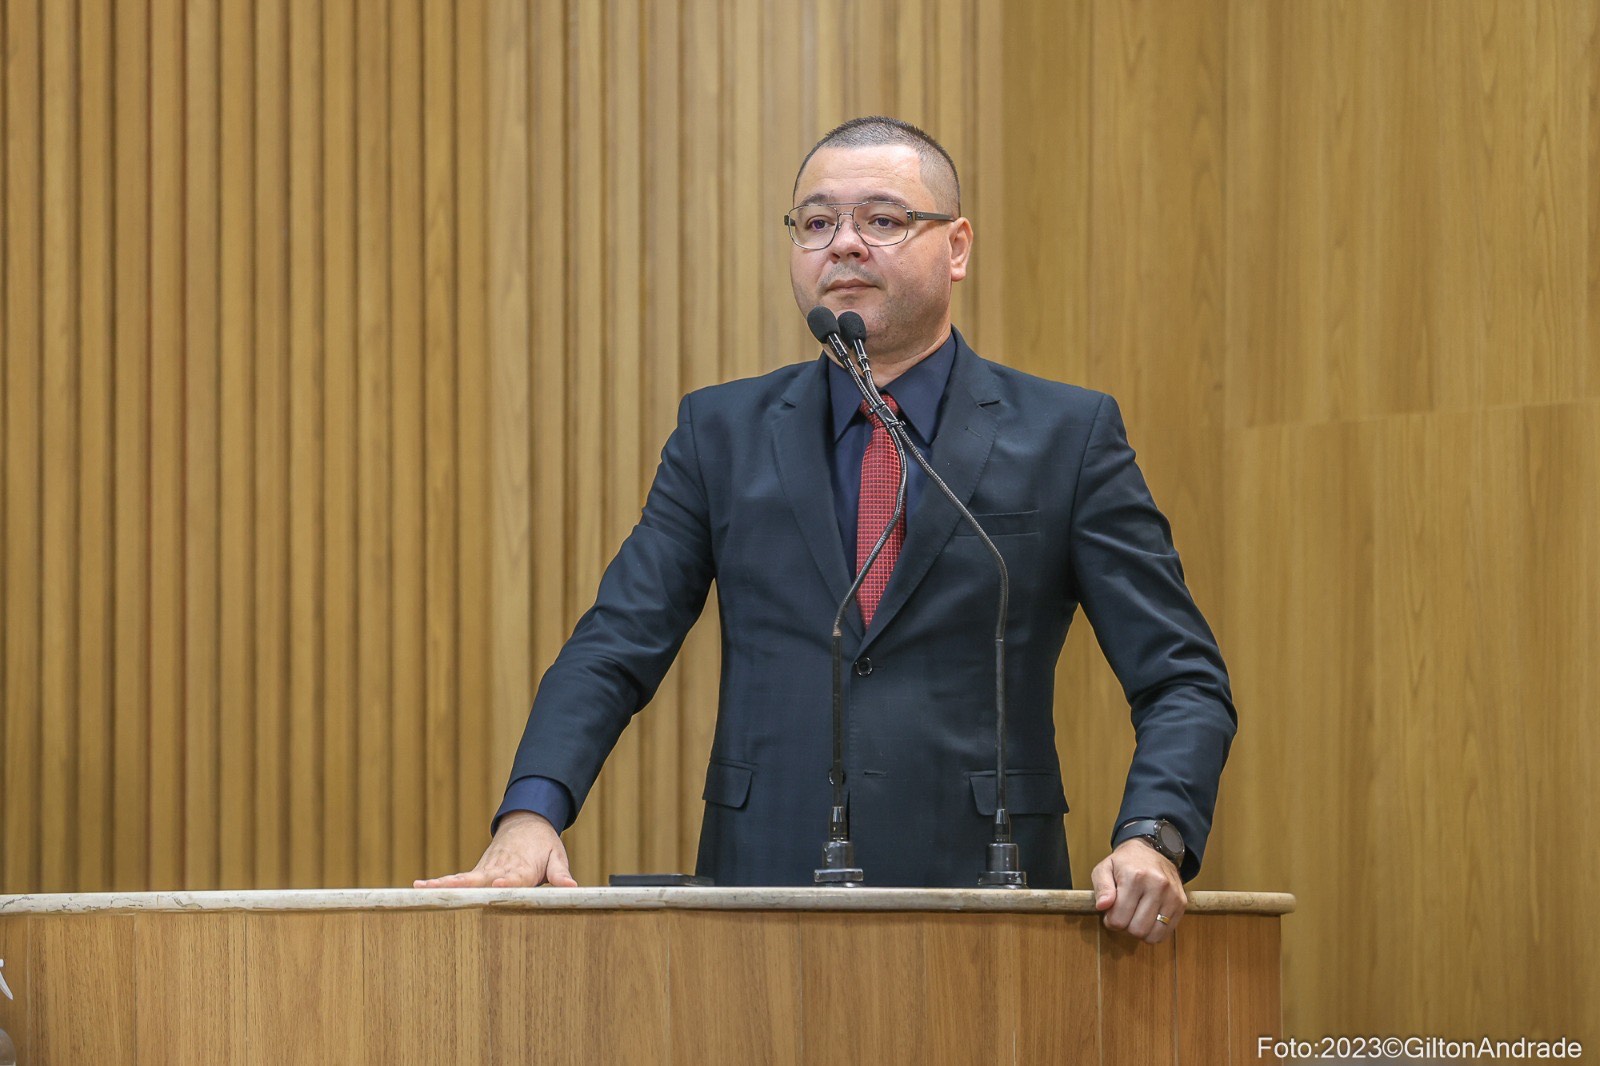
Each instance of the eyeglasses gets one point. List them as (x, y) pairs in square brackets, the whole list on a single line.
[(880, 222)]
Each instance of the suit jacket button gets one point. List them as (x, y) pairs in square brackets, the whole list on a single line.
[(863, 666)]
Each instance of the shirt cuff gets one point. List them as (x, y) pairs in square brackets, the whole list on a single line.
[(541, 795)]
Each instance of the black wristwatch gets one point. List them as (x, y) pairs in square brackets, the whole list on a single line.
[(1161, 835)]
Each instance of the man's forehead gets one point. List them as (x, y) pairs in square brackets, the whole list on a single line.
[(890, 171)]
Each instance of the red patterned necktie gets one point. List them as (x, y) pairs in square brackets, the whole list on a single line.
[(880, 481)]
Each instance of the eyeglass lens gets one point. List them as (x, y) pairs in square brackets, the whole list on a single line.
[(879, 223)]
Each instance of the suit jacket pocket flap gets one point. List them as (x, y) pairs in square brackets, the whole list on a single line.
[(1000, 525), (1027, 792), (729, 783)]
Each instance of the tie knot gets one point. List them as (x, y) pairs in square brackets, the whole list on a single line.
[(867, 410)]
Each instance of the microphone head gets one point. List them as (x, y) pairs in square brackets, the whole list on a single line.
[(822, 322), (852, 329)]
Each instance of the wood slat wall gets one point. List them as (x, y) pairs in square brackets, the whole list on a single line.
[(1339, 263), (340, 341), (246, 377)]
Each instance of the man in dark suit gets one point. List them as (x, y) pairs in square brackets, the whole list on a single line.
[(776, 487)]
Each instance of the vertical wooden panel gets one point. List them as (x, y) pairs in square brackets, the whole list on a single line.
[(84, 968), (544, 420), (178, 969), (526, 176), (408, 679), (1255, 1008), (307, 986), (236, 386), (58, 689), (272, 502), (1039, 244), (988, 60), (479, 766), (787, 133), (543, 974), (97, 332), (737, 983), (130, 852), (912, 1010), (437, 1021), (1302, 589), (165, 739), (520, 157), (341, 548), (1201, 1003), (1560, 618), (1056, 980), (374, 556), (1137, 1000), (748, 242), (201, 496), (305, 432), (441, 794)]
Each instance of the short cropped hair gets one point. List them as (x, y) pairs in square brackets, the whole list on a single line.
[(874, 131)]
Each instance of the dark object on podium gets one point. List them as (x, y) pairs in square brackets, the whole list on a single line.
[(660, 881)]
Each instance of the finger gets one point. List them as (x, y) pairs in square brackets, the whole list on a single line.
[(1130, 890), (557, 872), (1143, 922), (1176, 903), (1105, 886), (520, 878), (1168, 901), (468, 879)]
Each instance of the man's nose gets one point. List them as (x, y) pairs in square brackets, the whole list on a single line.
[(847, 239)]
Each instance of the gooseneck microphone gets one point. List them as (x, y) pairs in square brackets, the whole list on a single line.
[(839, 853), (1003, 868)]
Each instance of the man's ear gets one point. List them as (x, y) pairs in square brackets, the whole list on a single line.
[(960, 248)]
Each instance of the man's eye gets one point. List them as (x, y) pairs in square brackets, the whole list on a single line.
[(885, 222), (817, 224)]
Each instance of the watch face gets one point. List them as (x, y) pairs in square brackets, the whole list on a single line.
[(1171, 839)]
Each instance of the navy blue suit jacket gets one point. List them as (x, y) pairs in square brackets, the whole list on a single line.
[(743, 498)]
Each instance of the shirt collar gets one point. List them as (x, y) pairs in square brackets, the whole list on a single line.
[(917, 391)]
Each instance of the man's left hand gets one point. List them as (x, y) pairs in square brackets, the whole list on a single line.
[(1134, 884)]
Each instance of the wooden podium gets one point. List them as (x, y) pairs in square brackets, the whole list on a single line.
[(598, 975)]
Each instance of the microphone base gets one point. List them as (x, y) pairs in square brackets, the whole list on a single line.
[(1004, 868), (839, 867)]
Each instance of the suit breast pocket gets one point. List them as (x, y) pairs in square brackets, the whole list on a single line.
[(1011, 523)]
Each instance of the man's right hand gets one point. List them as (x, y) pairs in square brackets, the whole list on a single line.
[(526, 852)]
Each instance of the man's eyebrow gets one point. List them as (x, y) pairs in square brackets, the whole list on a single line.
[(871, 197)]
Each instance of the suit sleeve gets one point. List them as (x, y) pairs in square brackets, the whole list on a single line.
[(649, 597), (1130, 583)]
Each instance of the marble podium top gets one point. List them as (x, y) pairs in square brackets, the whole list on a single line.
[(975, 900)]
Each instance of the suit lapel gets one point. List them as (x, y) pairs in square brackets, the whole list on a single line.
[(966, 436), (800, 441)]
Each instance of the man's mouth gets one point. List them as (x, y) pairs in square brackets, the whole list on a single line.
[(853, 283)]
